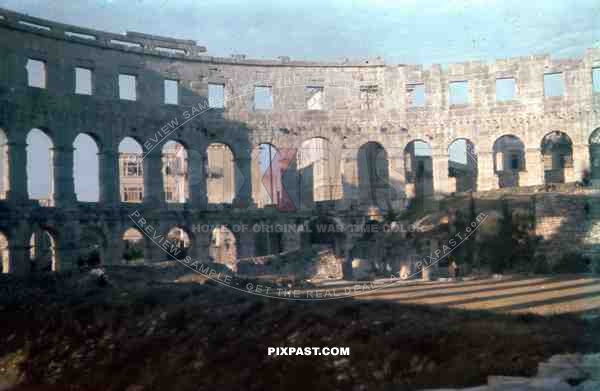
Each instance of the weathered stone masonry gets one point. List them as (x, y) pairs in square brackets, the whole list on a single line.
[(362, 102)]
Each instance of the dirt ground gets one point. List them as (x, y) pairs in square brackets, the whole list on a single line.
[(145, 332), (549, 295)]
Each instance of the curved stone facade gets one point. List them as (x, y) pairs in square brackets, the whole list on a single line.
[(346, 104)]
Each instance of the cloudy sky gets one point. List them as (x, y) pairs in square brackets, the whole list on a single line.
[(400, 31)]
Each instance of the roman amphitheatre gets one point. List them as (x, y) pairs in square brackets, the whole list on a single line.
[(491, 168)]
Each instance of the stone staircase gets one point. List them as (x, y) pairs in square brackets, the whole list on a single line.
[(565, 372)]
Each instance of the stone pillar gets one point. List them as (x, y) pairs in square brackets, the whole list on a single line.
[(153, 252), (486, 176), (18, 259), (534, 174), (247, 246), (243, 182), (113, 252), (17, 175), (197, 177), (397, 179), (66, 256), (440, 174), (289, 182), (64, 187), (199, 249), (581, 162), (350, 185), (108, 161), (154, 193)]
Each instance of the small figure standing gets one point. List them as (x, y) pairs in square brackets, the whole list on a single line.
[(452, 267)]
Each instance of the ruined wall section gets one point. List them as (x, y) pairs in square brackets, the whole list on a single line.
[(362, 101)]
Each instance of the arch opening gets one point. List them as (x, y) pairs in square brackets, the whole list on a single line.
[(86, 168), (223, 247), (326, 234), (318, 174), (131, 171), (220, 180), (181, 239), (175, 172), (373, 175), (462, 164), (267, 173), (557, 155), (133, 246), (418, 167), (42, 251), (594, 143), (92, 248), (509, 160), (40, 167), (4, 254), (4, 173)]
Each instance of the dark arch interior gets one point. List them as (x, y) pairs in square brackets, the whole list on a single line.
[(373, 174), (509, 160), (462, 164), (557, 154), (42, 250), (133, 246), (595, 155), (418, 167)]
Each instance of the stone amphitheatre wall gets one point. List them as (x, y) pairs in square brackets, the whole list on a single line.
[(362, 102)]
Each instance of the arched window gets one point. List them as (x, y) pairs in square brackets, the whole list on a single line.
[(462, 164), (42, 251), (318, 169), (267, 170), (223, 247), (509, 160), (131, 171), (595, 154), (40, 167), (133, 246), (557, 154), (4, 174), (4, 254), (86, 168), (373, 174), (221, 174), (180, 239), (419, 173), (175, 172)]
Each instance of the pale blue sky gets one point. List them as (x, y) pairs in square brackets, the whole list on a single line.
[(400, 31)]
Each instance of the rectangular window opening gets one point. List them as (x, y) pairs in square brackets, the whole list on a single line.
[(263, 98), (34, 25), (171, 92), (170, 50), (596, 79), (553, 85), (127, 87), (416, 95), (36, 73), (72, 34), (459, 92), (505, 89), (83, 81), (127, 44), (216, 95), (314, 98)]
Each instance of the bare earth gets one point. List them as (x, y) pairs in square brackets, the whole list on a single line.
[(146, 332)]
